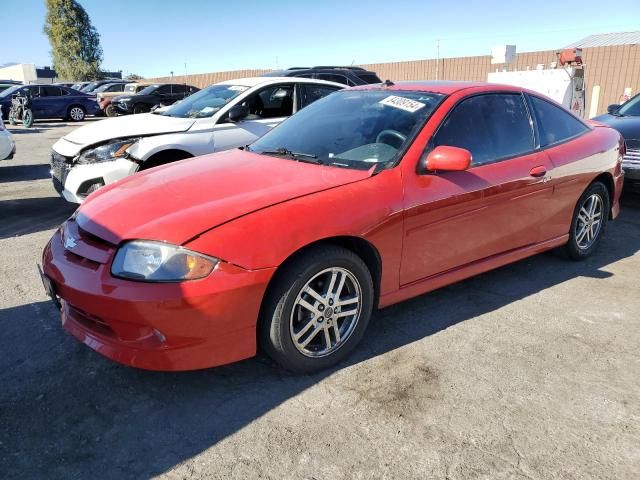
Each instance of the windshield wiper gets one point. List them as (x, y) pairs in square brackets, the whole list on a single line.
[(303, 157)]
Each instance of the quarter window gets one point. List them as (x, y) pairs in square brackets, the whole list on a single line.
[(555, 124), (330, 77), (492, 127)]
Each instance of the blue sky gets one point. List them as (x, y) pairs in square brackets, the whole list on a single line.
[(152, 38)]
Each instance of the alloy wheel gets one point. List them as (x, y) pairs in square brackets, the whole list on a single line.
[(589, 221), (326, 312), (76, 114)]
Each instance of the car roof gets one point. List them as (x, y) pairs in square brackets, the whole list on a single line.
[(445, 87), (255, 81)]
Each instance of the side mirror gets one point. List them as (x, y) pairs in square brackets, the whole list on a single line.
[(448, 159), (613, 108), (238, 112)]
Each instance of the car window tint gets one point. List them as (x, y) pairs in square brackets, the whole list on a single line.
[(555, 124), (271, 102), (164, 90), (311, 93), (51, 91), (491, 127), (179, 88), (115, 88), (631, 108)]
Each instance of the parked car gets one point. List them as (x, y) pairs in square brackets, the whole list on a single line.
[(79, 85), (108, 91), (151, 96), (51, 101), (105, 99), (363, 199), (65, 84), (91, 87), (346, 75), (223, 116), (7, 145), (626, 119)]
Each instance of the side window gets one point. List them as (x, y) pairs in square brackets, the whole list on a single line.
[(554, 124), (164, 90), (330, 77), (51, 91), (311, 93), (271, 102), (179, 88), (118, 87), (31, 91), (491, 127)]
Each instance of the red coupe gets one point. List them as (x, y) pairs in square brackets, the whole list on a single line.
[(363, 199)]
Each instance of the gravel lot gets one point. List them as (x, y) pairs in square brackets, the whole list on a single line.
[(531, 371)]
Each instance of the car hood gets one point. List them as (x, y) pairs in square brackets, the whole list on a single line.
[(629, 127), (125, 126), (177, 202)]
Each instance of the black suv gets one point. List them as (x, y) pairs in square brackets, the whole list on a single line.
[(350, 76), (149, 97)]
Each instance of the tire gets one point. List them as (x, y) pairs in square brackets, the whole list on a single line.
[(582, 243), (141, 108), (76, 113), (283, 315), (27, 118), (110, 111)]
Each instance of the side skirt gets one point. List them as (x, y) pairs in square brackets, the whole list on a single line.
[(466, 271)]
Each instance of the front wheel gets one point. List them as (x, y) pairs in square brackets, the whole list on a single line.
[(12, 118), (27, 118), (110, 111), (317, 310), (589, 221), (77, 114)]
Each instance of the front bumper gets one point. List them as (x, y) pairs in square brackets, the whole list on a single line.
[(7, 145), (170, 326), (631, 164), (122, 108), (73, 181)]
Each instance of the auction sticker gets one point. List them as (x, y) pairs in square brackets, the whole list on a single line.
[(402, 103)]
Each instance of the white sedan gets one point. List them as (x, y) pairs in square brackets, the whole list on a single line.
[(7, 145), (222, 116)]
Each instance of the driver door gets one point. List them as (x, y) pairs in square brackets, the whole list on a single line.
[(268, 107)]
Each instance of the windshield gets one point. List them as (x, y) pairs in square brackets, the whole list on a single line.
[(148, 90), (89, 87), (206, 102), (10, 90), (631, 108), (352, 128)]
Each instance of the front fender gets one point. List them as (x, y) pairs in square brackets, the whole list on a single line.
[(146, 147), (370, 209)]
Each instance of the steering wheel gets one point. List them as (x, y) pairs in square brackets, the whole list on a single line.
[(390, 133)]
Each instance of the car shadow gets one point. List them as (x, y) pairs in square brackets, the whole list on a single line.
[(40, 126), (21, 173), (66, 411), (29, 215)]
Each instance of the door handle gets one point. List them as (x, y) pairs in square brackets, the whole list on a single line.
[(539, 171)]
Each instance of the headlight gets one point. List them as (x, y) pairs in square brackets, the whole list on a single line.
[(107, 152), (160, 262)]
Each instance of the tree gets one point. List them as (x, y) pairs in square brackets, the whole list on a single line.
[(75, 43), (134, 77)]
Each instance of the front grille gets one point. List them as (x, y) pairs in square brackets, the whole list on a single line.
[(85, 246), (60, 167), (631, 159)]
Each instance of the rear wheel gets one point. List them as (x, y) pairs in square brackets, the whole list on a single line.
[(589, 221), (141, 108), (12, 118), (317, 310), (76, 113)]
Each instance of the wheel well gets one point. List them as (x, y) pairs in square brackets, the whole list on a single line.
[(364, 249), (164, 157), (76, 105), (607, 179)]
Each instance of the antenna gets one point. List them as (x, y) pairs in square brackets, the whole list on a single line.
[(438, 59)]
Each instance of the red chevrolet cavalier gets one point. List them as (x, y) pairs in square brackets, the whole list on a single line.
[(363, 199)]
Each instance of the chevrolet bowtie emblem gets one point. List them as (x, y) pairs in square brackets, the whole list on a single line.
[(69, 242)]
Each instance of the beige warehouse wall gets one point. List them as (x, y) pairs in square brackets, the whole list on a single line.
[(611, 68)]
